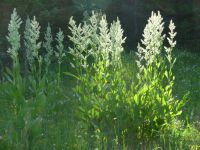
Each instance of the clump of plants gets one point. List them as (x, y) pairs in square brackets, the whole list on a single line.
[(155, 77), (96, 51), (28, 90), (108, 103)]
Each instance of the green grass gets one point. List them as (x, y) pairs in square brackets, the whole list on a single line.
[(187, 72)]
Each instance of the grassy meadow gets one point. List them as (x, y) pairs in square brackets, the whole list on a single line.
[(93, 94)]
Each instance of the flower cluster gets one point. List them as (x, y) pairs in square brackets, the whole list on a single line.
[(152, 41), (95, 37), (14, 35)]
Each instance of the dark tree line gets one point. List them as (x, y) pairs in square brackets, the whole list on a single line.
[(132, 13)]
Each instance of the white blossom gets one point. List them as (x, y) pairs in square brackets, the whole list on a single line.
[(14, 35), (152, 42), (60, 47), (32, 35)]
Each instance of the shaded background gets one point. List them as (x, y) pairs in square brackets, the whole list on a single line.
[(132, 13)]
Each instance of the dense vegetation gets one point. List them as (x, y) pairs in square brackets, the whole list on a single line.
[(91, 94)]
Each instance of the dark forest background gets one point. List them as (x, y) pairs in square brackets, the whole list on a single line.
[(132, 13)]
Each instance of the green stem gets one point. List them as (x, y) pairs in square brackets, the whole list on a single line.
[(59, 74)]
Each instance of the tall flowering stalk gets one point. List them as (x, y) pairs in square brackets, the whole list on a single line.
[(104, 46), (117, 41), (14, 41), (152, 42), (27, 43), (18, 87), (59, 53), (32, 44), (48, 47), (172, 44), (81, 40)]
